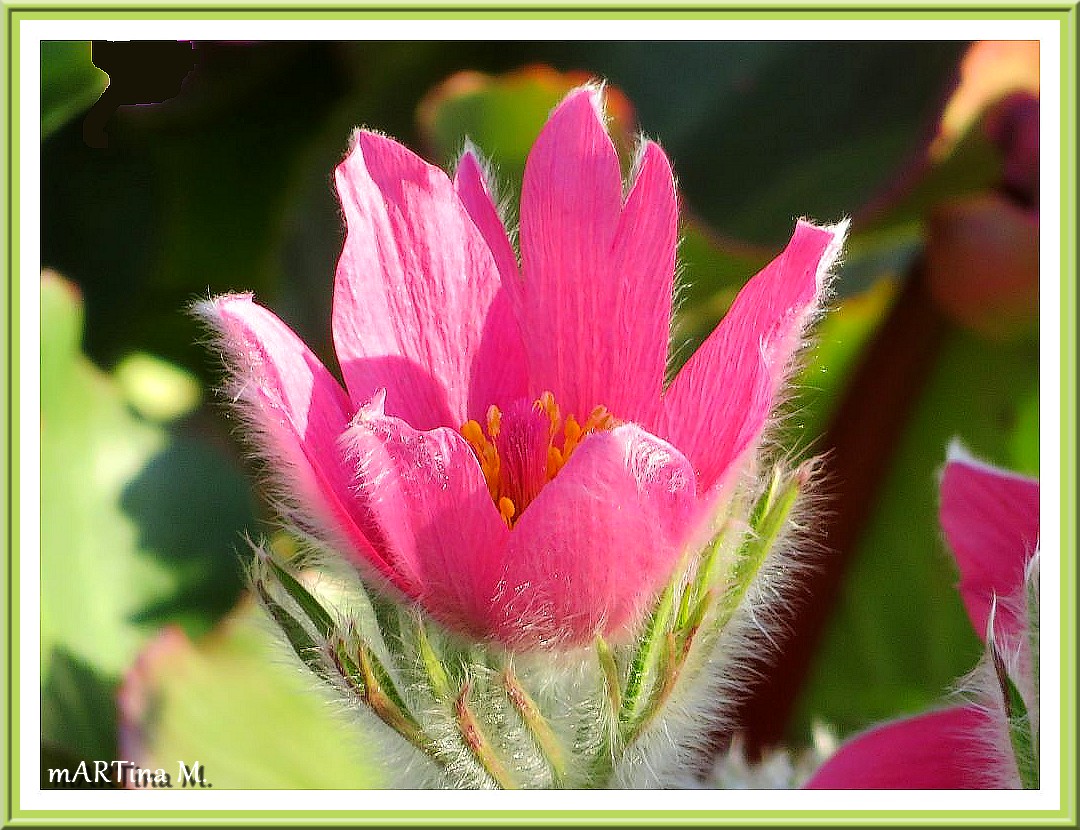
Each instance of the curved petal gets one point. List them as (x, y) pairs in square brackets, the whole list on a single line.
[(418, 305), (719, 403), (598, 275), (298, 413), (991, 521), (943, 750), (431, 502), (598, 543), (472, 188)]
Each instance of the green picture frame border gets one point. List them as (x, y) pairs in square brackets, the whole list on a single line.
[(15, 13)]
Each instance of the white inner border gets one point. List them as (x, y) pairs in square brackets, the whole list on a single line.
[(31, 32)]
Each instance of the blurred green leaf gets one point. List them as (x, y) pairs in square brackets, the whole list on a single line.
[(502, 116), (973, 165), (93, 577), (138, 528), (900, 637), (711, 272), (834, 353), (157, 390), (78, 708), (70, 82), (231, 702), (1024, 440)]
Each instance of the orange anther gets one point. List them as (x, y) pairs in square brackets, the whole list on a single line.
[(507, 509), (494, 421)]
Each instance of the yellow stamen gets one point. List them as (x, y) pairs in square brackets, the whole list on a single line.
[(558, 451), (546, 403)]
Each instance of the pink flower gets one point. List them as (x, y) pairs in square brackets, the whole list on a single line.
[(506, 454), (991, 521)]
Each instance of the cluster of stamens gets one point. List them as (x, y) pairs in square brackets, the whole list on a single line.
[(564, 436)]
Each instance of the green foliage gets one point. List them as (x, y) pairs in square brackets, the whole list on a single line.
[(70, 82), (138, 526), (900, 637), (232, 703)]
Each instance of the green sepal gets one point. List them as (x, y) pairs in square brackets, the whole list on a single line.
[(437, 676), (318, 616), (767, 522), (478, 743), (383, 698), (302, 643), (1019, 720), (610, 668), (535, 722), (644, 660)]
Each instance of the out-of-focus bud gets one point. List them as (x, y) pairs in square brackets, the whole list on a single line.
[(982, 264)]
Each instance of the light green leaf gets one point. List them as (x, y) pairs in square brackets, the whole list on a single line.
[(157, 390), (138, 529), (233, 703), (94, 582)]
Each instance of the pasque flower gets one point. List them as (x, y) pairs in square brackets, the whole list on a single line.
[(504, 452), (991, 522)]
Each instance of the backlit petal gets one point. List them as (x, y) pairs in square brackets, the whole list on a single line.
[(718, 405), (598, 543), (598, 276), (432, 505), (419, 307), (944, 750), (991, 522), (297, 413)]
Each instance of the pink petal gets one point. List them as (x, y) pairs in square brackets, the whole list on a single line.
[(298, 413), (472, 189), (598, 276), (418, 304), (943, 750), (598, 543), (432, 505), (991, 521), (719, 403)]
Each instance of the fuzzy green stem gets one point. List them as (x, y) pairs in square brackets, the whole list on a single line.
[(536, 723), (478, 743), (643, 660)]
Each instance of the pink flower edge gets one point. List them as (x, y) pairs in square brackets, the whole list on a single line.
[(991, 521), (942, 750)]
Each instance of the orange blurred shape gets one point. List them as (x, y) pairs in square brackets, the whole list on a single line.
[(982, 264), (990, 70)]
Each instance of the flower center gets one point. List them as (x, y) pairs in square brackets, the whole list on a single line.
[(522, 449)]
